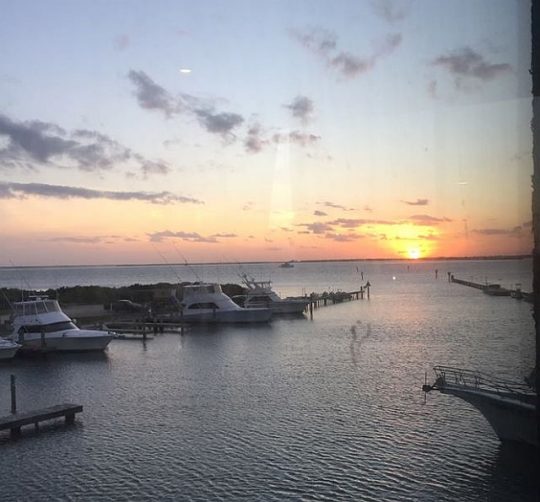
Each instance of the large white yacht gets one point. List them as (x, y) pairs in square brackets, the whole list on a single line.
[(509, 407), (8, 349), (206, 303), (260, 294), (39, 325)]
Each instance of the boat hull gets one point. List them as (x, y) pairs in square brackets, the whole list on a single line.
[(8, 353), (284, 307), (67, 342), (512, 420)]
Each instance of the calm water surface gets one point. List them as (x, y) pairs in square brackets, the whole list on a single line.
[(322, 409)]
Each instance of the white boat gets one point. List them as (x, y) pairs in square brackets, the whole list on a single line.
[(8, 349), (509, 407), (39, 325), (260, 295), (287, 264), (206, 303)]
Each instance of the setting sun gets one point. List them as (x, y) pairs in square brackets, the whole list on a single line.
[(413, 253)]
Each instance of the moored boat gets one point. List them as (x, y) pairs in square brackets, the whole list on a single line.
[(495, 290), (8, 349), (260, 295), (509, 407), (40, 325), (206, 303)]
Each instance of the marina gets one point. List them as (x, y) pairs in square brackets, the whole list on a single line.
[(331, 407)]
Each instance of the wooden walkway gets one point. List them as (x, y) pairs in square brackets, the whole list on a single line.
[(15, 421), (324, 299), (494, 289)]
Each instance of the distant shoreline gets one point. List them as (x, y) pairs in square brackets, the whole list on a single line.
[(344, 260)]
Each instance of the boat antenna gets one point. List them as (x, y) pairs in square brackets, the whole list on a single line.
[(22, 278), (192, 270), (7, 300), (167, 263)]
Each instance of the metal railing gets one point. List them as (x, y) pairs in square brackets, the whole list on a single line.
[(469, 379)]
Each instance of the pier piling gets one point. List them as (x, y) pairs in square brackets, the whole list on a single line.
[(13, 395)]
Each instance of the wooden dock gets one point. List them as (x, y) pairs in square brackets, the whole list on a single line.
[(15, 421), (318, 300), (493, 289)]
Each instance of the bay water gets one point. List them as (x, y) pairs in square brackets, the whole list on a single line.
[(328, 408)]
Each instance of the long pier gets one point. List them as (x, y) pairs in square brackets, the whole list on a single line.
[(493, 289), (318, 300)]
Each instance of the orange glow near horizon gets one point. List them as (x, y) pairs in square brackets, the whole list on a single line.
[(408, 240)]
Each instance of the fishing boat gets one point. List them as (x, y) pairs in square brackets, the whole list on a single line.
[(40, 325), (495, 290), (206, 303), (287, 264), (509, 407), (8, 349), (260, 295)]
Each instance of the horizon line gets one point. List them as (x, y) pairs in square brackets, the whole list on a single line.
[(257, 262)]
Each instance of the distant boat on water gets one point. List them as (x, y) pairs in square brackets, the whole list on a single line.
[(287, 264), (509, 407)]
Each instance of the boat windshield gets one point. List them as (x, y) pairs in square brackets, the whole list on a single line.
[(36, 307), (49, 328)]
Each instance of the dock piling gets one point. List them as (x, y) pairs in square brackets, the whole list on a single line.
[(13, 395)]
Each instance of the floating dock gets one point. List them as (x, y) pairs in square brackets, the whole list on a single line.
[(15, 421)]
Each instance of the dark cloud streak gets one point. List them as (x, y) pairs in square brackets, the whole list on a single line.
[(21, 190)]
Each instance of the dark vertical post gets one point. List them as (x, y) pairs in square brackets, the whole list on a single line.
[(361, 292), (535, 126), (368, 287), (182, 322), (13, 395), (311, 310)]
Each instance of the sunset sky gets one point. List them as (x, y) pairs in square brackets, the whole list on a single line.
[(137, 131)]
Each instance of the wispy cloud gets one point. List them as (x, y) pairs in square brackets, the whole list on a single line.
[(152, 96), (425, 219), (35, 143), (417, 202), (391, 10), (121, 42), (77, 240), (185, 236), (343, 237), (319, 213), (466, 62), (218, 123), (10, 190), (323, 44), (301, 108), (514, 231), (333, 205), (317, 227), (255, 141), (298, 137)]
